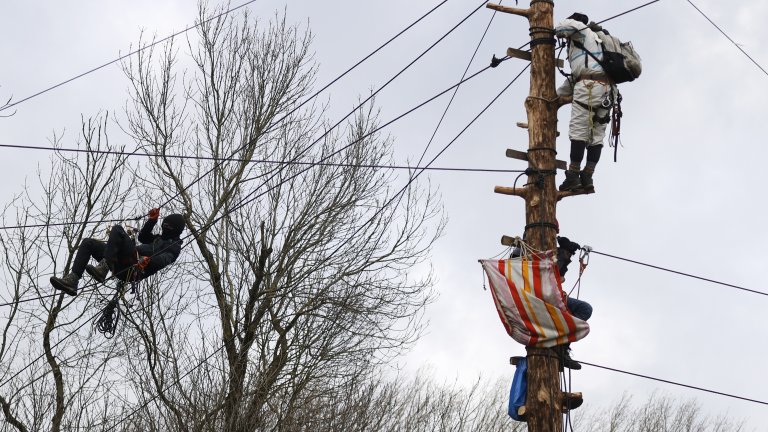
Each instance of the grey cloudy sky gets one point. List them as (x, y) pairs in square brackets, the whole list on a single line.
[(687, 192)]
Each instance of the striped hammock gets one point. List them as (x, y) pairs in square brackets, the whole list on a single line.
[(530, 301)]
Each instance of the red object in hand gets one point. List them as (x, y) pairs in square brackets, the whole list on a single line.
[(143, 263), (154, 214)]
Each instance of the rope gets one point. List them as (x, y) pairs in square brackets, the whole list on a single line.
[(274, 124), (321, 162), (542, 41), (218, 219), (198, 25), (525, 248), (540, 172), (728, 37), (537, 29), (106, 321), (541, 225), (3, 108), (553, 100), (246, 200), (332, 128), (243, 202), (312, 164), (675, 383), (259, 161), (681, 273), (583, 263), (566, 386), (440, 153), (494, 63), (628, 11)]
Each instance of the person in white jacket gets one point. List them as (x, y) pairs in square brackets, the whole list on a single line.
[(592, 91)]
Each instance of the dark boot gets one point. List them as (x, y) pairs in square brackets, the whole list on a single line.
[(586, 181), (572, 181), (98, 272), (564, 352), (68, 283)]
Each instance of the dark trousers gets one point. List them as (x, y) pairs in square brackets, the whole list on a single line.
[(579, 308), (119, 251)]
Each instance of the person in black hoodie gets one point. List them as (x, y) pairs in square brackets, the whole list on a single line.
[(127, 261), (578, 308)]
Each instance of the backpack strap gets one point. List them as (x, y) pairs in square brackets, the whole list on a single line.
[(581, 46)]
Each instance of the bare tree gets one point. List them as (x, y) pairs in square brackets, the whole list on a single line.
[(298, 280), (412, 404), (302, 276), (658, 413), (422, 404), (52, 372)]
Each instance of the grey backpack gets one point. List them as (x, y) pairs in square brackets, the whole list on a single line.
[(620, 60)]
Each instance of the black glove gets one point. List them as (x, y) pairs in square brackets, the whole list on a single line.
[(568, 245), (595, 27)]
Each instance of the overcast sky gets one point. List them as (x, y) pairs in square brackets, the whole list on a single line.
[(687, 192)]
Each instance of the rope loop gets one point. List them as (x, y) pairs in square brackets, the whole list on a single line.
[(540, 174), (541, 225), (553, 100), (543, 41), (536, 29), (524, 249), (536, 171)]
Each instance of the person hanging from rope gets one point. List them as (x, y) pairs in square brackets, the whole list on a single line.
[(578, 308), (120, 254), (592, 91)]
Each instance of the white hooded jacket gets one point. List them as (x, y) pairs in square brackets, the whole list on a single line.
[(581, 62), (588, 86)]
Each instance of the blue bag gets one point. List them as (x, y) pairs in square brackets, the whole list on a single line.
[(519, 389)]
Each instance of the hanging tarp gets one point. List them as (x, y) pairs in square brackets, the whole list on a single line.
[(530, 301)]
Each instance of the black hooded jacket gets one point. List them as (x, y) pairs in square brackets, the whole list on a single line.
[(162, 251)]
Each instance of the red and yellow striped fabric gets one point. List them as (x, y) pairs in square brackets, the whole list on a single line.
[(530, 301)]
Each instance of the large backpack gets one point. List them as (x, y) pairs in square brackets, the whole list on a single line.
[(620, 60)]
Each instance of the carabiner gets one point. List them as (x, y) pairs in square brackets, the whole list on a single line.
[(584, 255), (607, 102)]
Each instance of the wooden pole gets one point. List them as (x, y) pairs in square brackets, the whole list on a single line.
[(543, 404), (544, 399)]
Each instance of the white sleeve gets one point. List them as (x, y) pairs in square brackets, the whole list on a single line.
[(570, 28), (566, 88)]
